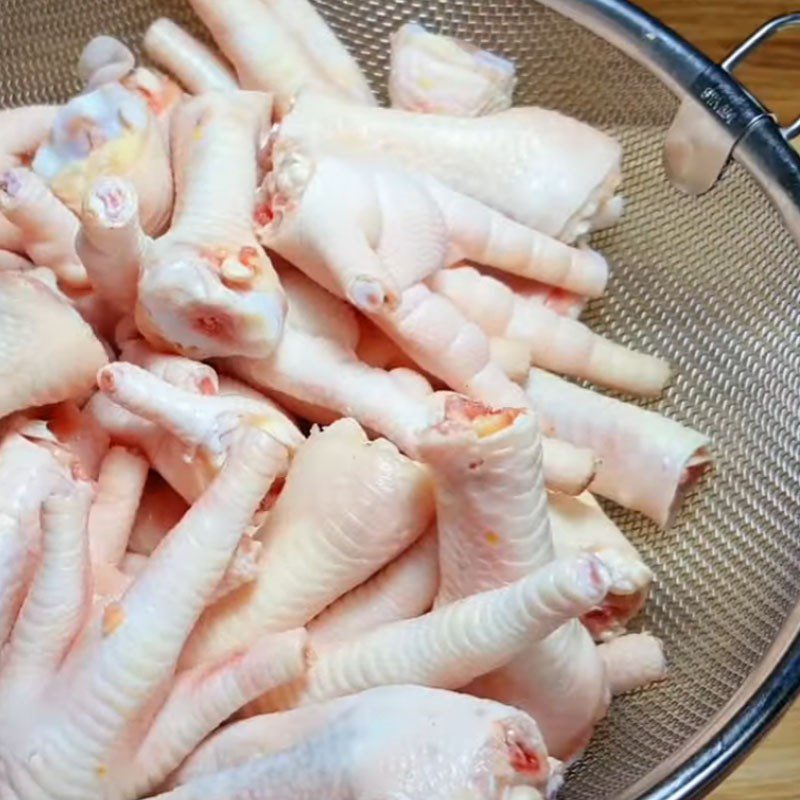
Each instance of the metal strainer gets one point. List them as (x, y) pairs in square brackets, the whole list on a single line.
[(711, 282)]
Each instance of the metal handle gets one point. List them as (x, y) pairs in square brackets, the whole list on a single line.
[(760, 37)]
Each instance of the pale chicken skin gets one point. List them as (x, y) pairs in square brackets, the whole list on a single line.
[(436, 74), (368, 231), (647, 461), (42, 227), (284, 48), (207, 288), (545, 170), (387, 742), (195, 65), (556, 342), (106, 656), (494, 530), (579, 525), (404, 589), (455, 644), (47, 352), (109, 131), (186, 435), (362, 518)]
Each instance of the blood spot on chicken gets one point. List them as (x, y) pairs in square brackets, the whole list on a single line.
[(249, 256), (483, 420), (207, 387), (214, 325), (263, 215), (273, 494), (522, 760), (561, 300)]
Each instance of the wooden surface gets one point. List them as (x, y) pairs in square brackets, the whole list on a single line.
[(717, 27), (772, 772)]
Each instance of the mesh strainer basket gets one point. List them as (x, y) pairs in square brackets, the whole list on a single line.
[(710, 282)]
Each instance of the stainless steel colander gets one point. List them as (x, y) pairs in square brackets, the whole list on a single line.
[(711, 282)]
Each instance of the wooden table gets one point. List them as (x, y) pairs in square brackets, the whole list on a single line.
[(717, 27)]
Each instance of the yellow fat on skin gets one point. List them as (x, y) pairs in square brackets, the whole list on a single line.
[(116, 157)]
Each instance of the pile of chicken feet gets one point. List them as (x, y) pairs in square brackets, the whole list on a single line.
[(294, 504)]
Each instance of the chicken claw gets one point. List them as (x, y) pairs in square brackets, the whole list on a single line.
[(207, 288), (108, 131), (207, 423), (493, 530), (196, 66), (579, 525), (283, 48), (93, 693), (111, 243), (22, 130), (368, 231), (633, 661), (434, 74), (105, 60), (45, 227), (403, 589), (442, 341), (454, 644), (556, 342), (536, 166), (371, 503)]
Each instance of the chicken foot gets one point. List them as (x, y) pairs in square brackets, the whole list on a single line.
[(75, 685), (207, 288), (556, 342), (400, 741), (345, 222)]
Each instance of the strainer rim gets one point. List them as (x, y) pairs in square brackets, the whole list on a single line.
[(760, 146)]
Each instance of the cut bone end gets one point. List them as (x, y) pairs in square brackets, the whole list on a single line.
[(111, 203), (12, 187), (107, 117), (611, 617), (103, 60), (484, 421), (186, 305), (367, 294), (697, 465)]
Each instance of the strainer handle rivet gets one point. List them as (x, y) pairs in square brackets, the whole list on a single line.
[(714, 117)]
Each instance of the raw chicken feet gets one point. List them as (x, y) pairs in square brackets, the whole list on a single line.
[(207, 288), (394, 742), (89, 703)]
